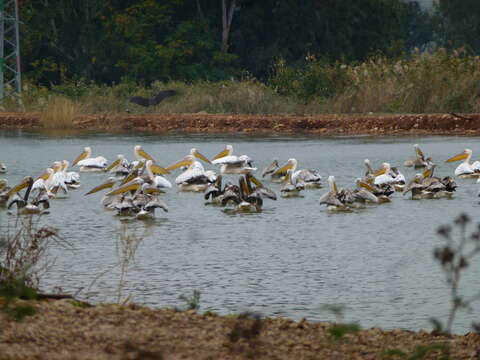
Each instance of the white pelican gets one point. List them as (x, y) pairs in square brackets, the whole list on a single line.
[(72, 178), (388, 175), (291, 187), (368, 165), (24, 206), (3, 168), (465, 169), (57, 181), (89, 164), (194, 178), (310, 178), (332, 198), (232, 164)]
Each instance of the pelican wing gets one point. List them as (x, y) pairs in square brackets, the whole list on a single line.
[(98, 162), (189, 174), (161, 182), (230, 160)]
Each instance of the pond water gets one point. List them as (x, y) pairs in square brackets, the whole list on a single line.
[(288, 261)]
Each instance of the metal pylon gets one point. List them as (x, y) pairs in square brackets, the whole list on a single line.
[(10, 75)]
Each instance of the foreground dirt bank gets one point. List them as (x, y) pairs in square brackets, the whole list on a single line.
[(67, 330), (325, 124)]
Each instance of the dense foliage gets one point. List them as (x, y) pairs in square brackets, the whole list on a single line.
[(149, 40)]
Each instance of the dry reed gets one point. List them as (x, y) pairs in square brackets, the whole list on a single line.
[(59, 113)]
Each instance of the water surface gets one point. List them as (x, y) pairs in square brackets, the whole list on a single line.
[(286, 261)]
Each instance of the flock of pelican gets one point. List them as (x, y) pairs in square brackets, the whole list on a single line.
[(134, 188)]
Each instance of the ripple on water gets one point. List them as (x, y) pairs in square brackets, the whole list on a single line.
[(288, 260)]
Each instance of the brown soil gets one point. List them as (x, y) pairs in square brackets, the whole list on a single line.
[(325, 124), (65, 329)]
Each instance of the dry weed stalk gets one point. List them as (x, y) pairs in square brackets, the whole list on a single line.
[(24, 253), (127, 245), (59, 113), (455, 257)]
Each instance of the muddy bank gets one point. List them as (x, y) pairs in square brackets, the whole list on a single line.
[(65, 329), (325, 124)]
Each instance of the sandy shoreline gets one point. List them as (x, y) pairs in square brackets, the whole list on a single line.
[(65, 329), (324, 124)]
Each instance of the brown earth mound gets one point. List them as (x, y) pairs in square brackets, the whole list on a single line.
[(67, 329), (325, 124)]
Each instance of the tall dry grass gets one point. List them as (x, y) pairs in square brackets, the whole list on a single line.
[(440, 81), (59, 113)]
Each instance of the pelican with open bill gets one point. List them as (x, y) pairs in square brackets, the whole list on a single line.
[(89, 164), (466, 170)]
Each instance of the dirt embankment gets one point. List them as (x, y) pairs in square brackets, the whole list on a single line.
[(325, 124), (67, 330)]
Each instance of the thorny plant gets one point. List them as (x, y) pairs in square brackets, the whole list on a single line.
[(127, 245), (24, 254), (191, 302), (455, 257)]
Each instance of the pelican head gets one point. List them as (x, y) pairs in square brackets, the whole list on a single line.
[(140, 154), (363, 184), (3, 184), (154, 169), (47, 174), (225, 152), (27, 181), (133, 185), (332, 184), (198, 155), (188, 160), (290, 165), (65, 165), (384, 169), (106, 185), (120, 159), (87, 152), (465, 155)]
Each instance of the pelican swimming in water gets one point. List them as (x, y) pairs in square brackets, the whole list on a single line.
[(310, 178), (71, 178), (420, 161), (89, 164), (38, 205), (465, 169), (334, 199), (232, 164), (119, 167), (194, 178), (291, 186), (3, 168), (388, 175)]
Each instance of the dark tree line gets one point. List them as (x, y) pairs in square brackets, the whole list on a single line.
[(147, 40)]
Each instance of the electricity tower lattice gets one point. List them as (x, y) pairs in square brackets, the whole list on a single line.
[(10, 75)]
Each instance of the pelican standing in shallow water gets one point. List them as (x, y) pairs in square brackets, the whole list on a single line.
[(194, 178), (232, 164), (89, 164), (465, 169)]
